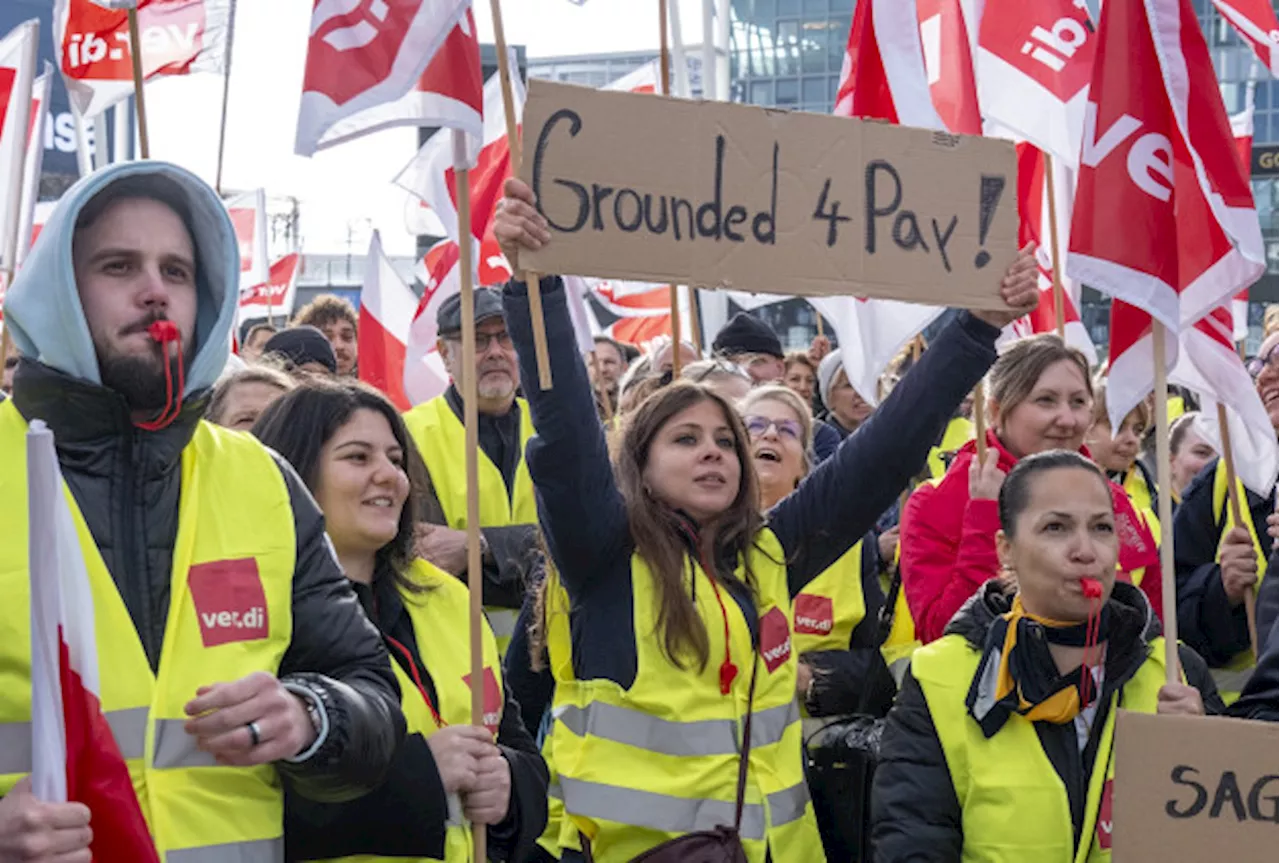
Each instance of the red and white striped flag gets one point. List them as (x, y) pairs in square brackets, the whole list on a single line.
[(74, 754), (1255, 21), (431, 176), (92, 40), (33, 161), (1034, 227), (387, 308), (885, 77), (276, 295), (366, 53), (17, 77), (1242, 130), (448, 93), (1035, 59), (948, 63), (425, 376), (249, 218)]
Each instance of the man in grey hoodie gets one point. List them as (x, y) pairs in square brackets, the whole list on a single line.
[(232, 649)]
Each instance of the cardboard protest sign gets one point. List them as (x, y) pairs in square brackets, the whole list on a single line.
[(719, 195), (1193, 789)]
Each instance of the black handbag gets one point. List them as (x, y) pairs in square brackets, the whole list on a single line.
[(840, 762), (723, 844)]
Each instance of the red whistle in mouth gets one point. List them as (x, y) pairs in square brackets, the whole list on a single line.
[(1091, 588), (163, 331)]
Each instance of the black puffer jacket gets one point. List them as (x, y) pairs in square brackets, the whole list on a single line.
[(915, 813), (127, 484)]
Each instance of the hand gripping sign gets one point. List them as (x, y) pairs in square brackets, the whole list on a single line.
[(717, 195)]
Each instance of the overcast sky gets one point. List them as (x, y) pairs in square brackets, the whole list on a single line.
[(350, 186)]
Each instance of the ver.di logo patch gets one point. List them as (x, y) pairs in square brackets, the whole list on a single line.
[(814, 615), (775, 639), (229, 600)]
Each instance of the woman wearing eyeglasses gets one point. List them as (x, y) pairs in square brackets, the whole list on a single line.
[(1218, 561), (833, 620)]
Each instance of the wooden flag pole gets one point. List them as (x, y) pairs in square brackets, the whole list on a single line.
[(530, 279), (1233, 500), (820, 333), (1164, 483), (980, 420), (695, 322), (135, 52), (664, 87), (1059, 311), (222, 123), (471, 424)]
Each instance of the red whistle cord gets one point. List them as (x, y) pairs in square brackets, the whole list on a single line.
[(165, 332), (1092, 589)]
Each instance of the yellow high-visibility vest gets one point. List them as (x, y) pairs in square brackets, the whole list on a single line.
[(1232, 677), (659, 759), (561, 833), (1013, 805), (230, 614), (441, 626), (441, 439), (828, 610), (958, 433)]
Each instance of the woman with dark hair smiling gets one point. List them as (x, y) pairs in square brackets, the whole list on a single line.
[(999, 747), (351, 448), (674, 645)]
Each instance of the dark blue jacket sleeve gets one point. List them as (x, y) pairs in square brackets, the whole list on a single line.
[(1207, 622), (532, 689), (842, 498), (825, 441), (580, 508)]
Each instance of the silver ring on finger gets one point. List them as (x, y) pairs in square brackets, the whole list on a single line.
[(255, 733)]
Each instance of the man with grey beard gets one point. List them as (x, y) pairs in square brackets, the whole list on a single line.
[(508, 514)]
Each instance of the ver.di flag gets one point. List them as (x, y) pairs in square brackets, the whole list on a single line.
[(75, 755), (387, 308)]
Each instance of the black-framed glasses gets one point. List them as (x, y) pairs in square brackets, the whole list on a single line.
[(483, 340), (758, 425)]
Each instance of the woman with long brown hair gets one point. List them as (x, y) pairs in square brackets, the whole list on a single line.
[(673, 649)]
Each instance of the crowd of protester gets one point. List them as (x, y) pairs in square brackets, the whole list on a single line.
[(682, 571)]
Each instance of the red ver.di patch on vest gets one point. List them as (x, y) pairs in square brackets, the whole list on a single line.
[(1104, 818), (492, 699), (814, 614), (229, 600), (775, 639)]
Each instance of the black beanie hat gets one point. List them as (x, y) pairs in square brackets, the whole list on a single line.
[(302, 345), (747, 335)]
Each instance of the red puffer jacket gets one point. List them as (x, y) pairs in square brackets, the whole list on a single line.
[(949, 546)]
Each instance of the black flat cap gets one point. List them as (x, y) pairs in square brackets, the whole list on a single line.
[(747, 335), (302, 345), (449, 315)]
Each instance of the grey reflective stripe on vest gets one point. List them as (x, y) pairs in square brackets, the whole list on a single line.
[(502, 621), (129, 727), (788, 804), (15, 747), (1231, 681), (657, 811), (257, 851), (554, 792), (174, 747), (667, 737)]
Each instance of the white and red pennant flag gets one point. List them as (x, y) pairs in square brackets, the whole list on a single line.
[(276, 295), (1242, 130), (425, 376), (1164, 217), (17, 77), (1255, 21), (74, 755), (179, 37), (387, 307), (249, 219), (367, 53), (448, 93)]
